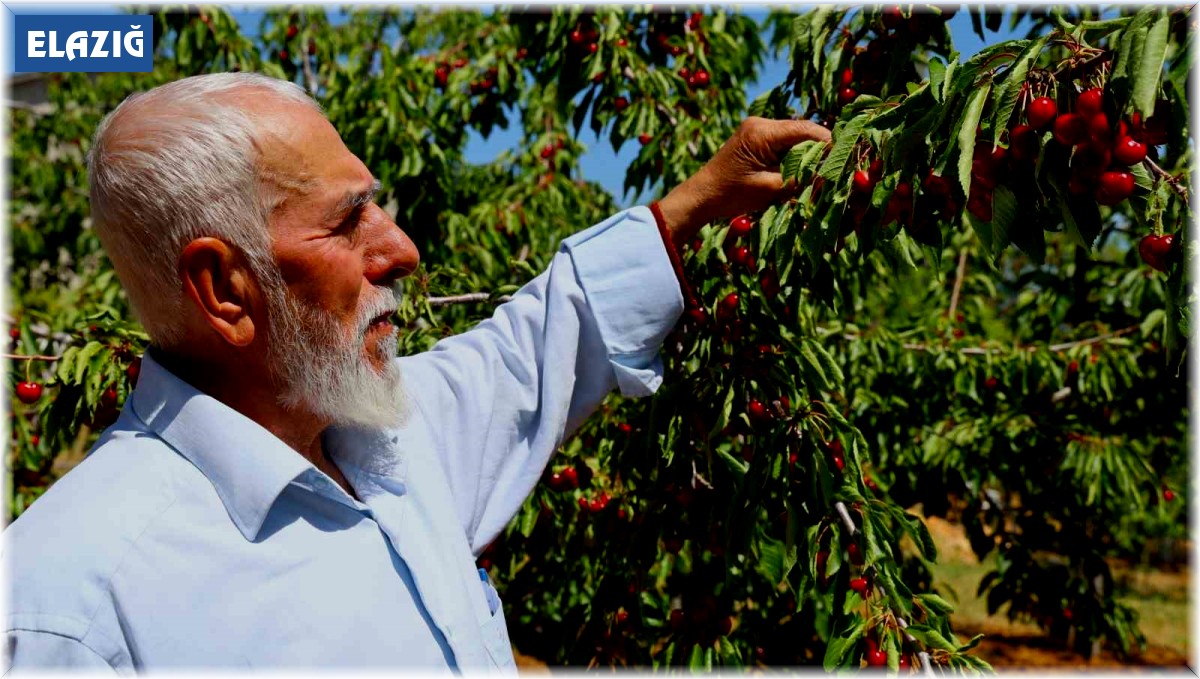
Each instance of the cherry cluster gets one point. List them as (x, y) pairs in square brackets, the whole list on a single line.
[(872, 62), (1101, 153)]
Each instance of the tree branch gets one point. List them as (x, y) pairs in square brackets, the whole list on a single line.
[(982, 351), (958, 281), (36, 357), (1171, 180), (468, 297)]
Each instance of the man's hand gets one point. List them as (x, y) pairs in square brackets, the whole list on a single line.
[(742, 177)]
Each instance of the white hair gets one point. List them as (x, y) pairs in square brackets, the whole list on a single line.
[(173, 164)]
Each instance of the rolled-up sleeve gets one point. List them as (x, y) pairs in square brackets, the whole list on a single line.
[(500, 398), (29, 651)]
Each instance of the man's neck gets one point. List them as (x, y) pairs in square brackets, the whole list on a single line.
[(247, 389)]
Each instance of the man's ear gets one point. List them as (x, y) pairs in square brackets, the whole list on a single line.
[(218, 282)]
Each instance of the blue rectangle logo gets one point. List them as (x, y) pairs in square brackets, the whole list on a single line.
[(108, 43)]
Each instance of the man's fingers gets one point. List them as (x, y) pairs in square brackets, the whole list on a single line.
[(779, 136), (784, 134)]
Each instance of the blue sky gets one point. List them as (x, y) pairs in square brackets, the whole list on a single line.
[(599, 163)]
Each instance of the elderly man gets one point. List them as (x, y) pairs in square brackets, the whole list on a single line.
[(281, 489)]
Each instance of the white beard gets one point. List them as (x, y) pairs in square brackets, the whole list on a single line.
[(325, 372)]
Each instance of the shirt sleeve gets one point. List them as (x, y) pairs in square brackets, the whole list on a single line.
[(28, 651), (500, 398)]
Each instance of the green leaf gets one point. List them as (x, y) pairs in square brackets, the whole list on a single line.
[(775, 560), (966, 134), (843, 642), (931, 637), (1014, 78), (847, 137), (935, 603), (83, 360), (1148, 69)]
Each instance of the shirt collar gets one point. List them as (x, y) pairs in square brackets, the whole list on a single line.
[(248, 465)]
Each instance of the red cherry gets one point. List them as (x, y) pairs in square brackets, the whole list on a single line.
[(702, 78), (15, 333), (1099, 130), (312, 47), (892, 17), (847, 77), (757, 411), (1073, 367), (1070, 129), (1114, 186), (625, 428), (698, 315), (859, 585), (522, 53), (991, 383), (583, 503), (593, 48), (1090, 102), (684, 72), (877, 658), (739, 255), (1168, 494), (460, 62), (1023, 142), (855, 554), (980, 204), (292, 31), (836, 448), (839, 461), (1129, 151), (770, 283), (1156, 249), (862, 182), (903, 664), (740, 226), (1090, 161), (556, 481), (622, 42), (622, 616), (822, 560), (29, 392), (729, 304), (644, 139), (571, 477), (547, 152), (620, 103), (576, 36), (846, 95), (1041, 111), (283, 55), (677, 618), (35, 439)]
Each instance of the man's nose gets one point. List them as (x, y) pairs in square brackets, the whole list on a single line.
[(391, 255)]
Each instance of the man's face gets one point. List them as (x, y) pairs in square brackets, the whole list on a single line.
[(339, 255)]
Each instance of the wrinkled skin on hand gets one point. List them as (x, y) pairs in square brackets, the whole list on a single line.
[(742, 177)]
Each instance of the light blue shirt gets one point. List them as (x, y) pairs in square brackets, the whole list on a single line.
[(190, 537)]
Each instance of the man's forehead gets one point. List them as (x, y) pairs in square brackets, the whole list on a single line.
[(300, 152)]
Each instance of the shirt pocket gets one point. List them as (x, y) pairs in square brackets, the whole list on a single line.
[(495, 636)]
